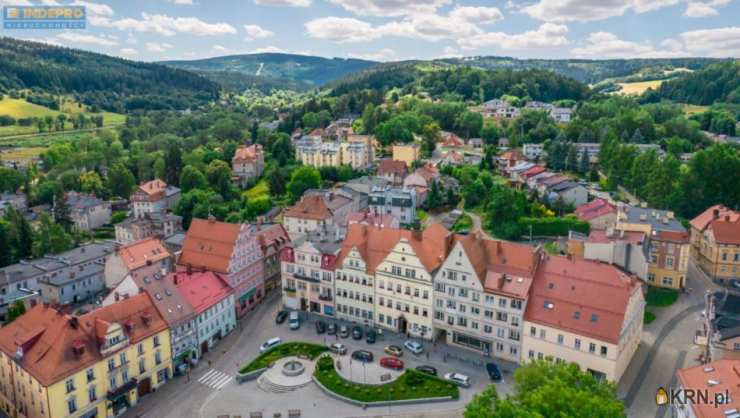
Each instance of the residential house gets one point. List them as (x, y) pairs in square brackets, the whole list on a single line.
[(231, 250), (248, 163), (358, 151), (626, 249), (384, 276), (477, 144), (421, 180), (393, 171), (480, 295), (308, 268), (87, 211), (318, 154), (272, 238), (533, 151), (570, 192), (53, 364), (593, 148), (450, 140), (21, 281), (145, 258), (73, 285), (317, 209), (509, 159), (561, 114), (715, 244), (407, 153), (154, 196), (17, 201), (584, 312), (718, 380), (599, 213), (669, 249), (379, 220), (155, 224), (170, 304), (395, 201)]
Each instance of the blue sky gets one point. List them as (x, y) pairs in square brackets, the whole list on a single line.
[(390, 30)]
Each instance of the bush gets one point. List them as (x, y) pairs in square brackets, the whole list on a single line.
[(553, 226), (286, 350)]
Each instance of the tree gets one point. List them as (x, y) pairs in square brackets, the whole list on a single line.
[(60, 210), (173, 163), (22, 234), (430, 135), (662, 183), (303, 178), (281, 149), (469, 124), (192, 178), (504, 211), (584, 163), (90, 182), (546, 389), (199, 203), (51, 238), (6, 244), (571, 159), (10, 179), (277, 179), (120, 180), (15, 310), (218, 174), (434, 197)]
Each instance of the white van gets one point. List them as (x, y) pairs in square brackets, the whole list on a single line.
[(272, 342), (295, 323)]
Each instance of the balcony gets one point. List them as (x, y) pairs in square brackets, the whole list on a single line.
[(299, 276), (118, 367), (325, 298)]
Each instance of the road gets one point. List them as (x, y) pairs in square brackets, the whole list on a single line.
[(212, 391), (478, 225)]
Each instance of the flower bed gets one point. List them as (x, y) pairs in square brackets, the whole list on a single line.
[(412, 384), (283, 350)]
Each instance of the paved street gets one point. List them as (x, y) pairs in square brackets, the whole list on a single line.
[(213, 391)]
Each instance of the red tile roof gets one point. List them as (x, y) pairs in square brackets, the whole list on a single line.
[(724, 376), (247, 154), (600, 236), (311, 206), (389, 166), (672, 236), (534, 171), (209, 245), (154, 188), (431, 245), (379, 220), (599, 293), (201, 289), (140, 253), (49, 337), (726, 232), (594, 209), (715, 212)]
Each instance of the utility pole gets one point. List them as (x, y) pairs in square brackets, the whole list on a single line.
[(709, 313)]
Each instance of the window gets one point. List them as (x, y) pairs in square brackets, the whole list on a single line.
[(531, 353), (578, 344), (669, 261), (72, 405), (516, 304), (502, 302), (591, 348), (142, 365), (542, 334), (157, 358), (532, 331), (91, 394), (668, 281), (70, 385), (561, 339), (156, 340), (90, 375), (603, 350)]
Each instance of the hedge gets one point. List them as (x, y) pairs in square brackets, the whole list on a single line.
[(553, 226), (284, 350)]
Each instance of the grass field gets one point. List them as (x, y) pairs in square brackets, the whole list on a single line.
[(689, 109), (284, 350), (261, 189), (22, 154), (19, 108), (639, 87)]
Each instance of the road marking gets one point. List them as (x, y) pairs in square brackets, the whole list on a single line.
[(215, 379)]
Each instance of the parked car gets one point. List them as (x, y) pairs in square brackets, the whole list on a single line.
[(331, 329), (458, 379), (294, 321), (344, 331), (357, 332), (281, 316), (363, 356), (493, 371), (272, 342), (371, 337), (427, 369), (414, 346), (338, 348), (320, 327), (392, 363), (393, 350)]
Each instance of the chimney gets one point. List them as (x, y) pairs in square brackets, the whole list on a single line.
[(78, 347), (146, 317), (74, 322), (117, 296), (190, 269), (715, 213), (727, 218), (416, 234)]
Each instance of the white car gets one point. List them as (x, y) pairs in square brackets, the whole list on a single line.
[(338, 349), (414, 346), (458, 379), (272, 342)]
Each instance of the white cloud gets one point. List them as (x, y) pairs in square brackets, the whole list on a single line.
[(169, 26), (268, 49), (128, 51), (220, 48), (157, 47), (95, 9), (385, 54), (546, 36), (608, 45), (387, 8), (49, 41), (183, 2), (590, 10), (83, 38), (450, 52), (257, 32), (291, 3), (341, 29), (16, 3), (700, 10), (481, 15), (719, 42)]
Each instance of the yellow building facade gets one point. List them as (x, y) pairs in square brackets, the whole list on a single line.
[(95, 365), (407, 153)]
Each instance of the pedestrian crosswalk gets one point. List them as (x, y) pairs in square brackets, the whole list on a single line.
[(215, 379)]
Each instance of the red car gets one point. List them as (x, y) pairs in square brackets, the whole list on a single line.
[(392, 363)]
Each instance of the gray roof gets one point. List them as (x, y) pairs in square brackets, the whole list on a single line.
[(79, 201), (660, 220), (35, 268), (175, 239), (325, 240), (563, 186), (72, 274), (365, 184)]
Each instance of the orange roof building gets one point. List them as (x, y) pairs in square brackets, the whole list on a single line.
[(715, 243), (717, 379), (154, 196), (74, 363), (231, 250), (145, 257), (585, 312), (248, 163)]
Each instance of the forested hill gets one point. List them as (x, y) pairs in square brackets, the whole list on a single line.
[(98, 80), (465, 83), (303, 70), (585, 71), (712, 84)]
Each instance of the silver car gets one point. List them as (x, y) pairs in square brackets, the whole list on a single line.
[(458, 379), (338, 348)]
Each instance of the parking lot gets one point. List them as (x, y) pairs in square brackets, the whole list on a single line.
[(206, 394)]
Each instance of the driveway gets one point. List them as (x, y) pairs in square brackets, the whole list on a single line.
[(212, 390)]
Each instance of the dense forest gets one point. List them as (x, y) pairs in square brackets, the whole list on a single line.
[(711, 84), (100, 81)]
